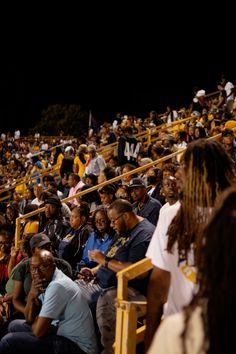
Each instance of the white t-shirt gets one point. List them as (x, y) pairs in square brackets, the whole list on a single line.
[(167, 339), (17, 134), (183, 275)]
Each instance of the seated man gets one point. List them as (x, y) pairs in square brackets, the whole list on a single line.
[(58, 319), (134, 235), (144, 205)]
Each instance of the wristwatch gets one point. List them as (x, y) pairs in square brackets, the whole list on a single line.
[(107, 260)]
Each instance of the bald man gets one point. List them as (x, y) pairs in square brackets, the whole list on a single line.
[(58, 319)]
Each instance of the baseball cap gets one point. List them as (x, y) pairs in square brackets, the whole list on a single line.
[(91, 147), (227, 131), (54, 200), (69, 148), (200, 93), (136, 182), (39, 240)]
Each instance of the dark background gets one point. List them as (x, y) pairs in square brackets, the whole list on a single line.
[(129, 64), (24, 94)]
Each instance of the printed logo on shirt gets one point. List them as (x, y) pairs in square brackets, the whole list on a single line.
[(188, 271)]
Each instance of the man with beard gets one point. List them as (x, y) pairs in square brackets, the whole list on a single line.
[(134, 234)]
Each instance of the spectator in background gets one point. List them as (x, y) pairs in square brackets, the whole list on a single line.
[(63, 186), (95, 162), (143, 205), (36, 170), (153, 118), (67, 162), (199, 102), (6, 239), (127, 168), (113, 162), (154, 181), (38, 190), (75, 186), (100, 238), (107, 194), (91, 179), (31, 225), (12, 213), (92, 198), (80, 160), (229, 92), (122, 193), (56, 227), (58, 157), (107, 136), (106, 174), (229, 143), (128, 148), (72, 245), (171, 115)]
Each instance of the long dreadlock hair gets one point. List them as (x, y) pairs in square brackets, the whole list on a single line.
[(208, 170), (216, 261)]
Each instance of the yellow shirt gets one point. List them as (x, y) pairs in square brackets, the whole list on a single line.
[(80, 164), (59, 160), (31, 227)]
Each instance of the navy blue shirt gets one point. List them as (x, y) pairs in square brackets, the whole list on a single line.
[(149, 209), (130, 248)]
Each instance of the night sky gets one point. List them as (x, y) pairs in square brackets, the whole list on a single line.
[(132, 79)]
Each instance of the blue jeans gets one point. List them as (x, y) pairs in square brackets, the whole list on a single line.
[(21, 340)]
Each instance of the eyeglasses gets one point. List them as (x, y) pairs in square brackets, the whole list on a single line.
[(40, 268), (113, 221), (100, 221)]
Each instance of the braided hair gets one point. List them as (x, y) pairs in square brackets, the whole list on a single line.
[(208, 171), (215, 258)]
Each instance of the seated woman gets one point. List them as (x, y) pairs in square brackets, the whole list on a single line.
[(107, 174), (71, 247), (92, 198), (7, 259), (100, 239), (107, 194)]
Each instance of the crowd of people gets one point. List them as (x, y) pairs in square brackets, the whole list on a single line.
[(58, 283)]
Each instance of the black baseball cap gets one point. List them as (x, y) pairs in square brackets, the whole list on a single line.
[(39, 240), (136, 182)]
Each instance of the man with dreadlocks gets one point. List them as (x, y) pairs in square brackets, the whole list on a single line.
[(207, 325), (205, 171)]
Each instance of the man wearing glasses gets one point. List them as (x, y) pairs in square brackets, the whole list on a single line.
[(58, 319), (134, 234)]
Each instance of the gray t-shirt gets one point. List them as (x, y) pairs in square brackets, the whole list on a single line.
[(63, 301)]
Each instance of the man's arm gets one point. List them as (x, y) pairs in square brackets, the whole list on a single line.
[(41, 326), (112, 264), (158, 289), (17, 299), (33, 304)]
